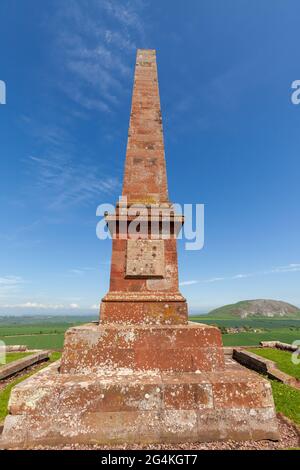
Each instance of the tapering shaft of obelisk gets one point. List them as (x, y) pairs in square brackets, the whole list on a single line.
[(145, 178)]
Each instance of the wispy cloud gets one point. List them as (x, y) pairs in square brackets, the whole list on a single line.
[(214, 279), (290, 268), (10, 284), (69, 182), (61, 172), (80, 271), (11, 280), (93, 44), (42, 306), (77, 272), (188, 283), (94, 307), (241, 276)]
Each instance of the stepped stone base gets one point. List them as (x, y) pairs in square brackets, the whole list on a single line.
[(189, 347), (116, 405)]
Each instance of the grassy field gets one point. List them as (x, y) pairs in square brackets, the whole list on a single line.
[(37, 341), (48, 332), (286, 330), (33, 329), (38, 332), (5, 393), (283, 360), (253, 339), (252, 322)]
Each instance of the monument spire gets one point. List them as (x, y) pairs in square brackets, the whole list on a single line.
[(145, 179)]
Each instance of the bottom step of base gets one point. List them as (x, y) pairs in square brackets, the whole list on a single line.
[(152, 407)]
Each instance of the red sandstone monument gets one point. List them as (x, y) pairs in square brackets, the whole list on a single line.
[(144, 374)]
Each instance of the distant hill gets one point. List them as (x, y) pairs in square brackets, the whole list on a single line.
[(256, 308)]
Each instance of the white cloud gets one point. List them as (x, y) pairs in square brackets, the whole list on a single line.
[(10, 285), (74, 306), (292, 267), (11, 281), (34, 305), (94, 307), (188, 283), (124, 12), (69, 181), (214, 279), (241, 276), (94, 42), (41, 306), (80, 271)]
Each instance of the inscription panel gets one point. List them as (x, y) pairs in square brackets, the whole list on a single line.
[(145, 258)]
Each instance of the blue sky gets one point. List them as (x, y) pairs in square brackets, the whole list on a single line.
[(231, 135)]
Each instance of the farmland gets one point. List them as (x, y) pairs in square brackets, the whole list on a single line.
[(286, 330), (38, 332), (48, 332)]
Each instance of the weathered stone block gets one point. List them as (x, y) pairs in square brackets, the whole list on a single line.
[(140, 347), (145, 258)]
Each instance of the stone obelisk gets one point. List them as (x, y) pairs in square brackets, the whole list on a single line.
[(143, 374), (144, 302), (144, 271)]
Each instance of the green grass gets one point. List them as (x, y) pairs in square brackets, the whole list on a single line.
[(281, 329), (253, 339), (51, 335), (5, 393), (287, 400), (267, 323), (9, 330), (54, 341), (14, 356), (283, 360), (36, 333)]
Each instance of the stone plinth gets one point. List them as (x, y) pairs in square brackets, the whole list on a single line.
[(124, 406), (140, 384), (147, 308), (192, 347)]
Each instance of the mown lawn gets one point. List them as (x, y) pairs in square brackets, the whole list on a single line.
[(287, 400), (14, 356), (5, 393), (283, 360)]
